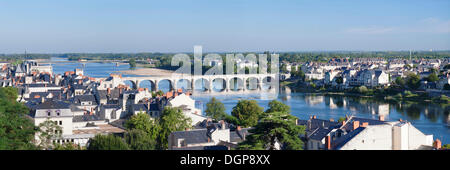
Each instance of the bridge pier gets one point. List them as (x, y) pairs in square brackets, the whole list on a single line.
[(136, 83), (156, 85)]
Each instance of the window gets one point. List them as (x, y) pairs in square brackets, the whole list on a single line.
[(58, 112), (60, 122), (181, 142), (48, 112)]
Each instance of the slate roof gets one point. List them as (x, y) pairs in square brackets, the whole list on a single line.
[(85, 118), (320, 133), (191, 136), (83, 98), (338, 143), (238, 136), (51, 104), (316, 123)]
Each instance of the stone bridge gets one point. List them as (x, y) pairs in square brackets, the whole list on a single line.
[(254, 81)]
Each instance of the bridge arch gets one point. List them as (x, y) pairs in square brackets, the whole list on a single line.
[(202, 84), (184, 83), (165, 85), (252, 83), (236, 84), (267, 82), (131, 84), (150, 84), (221, 82)]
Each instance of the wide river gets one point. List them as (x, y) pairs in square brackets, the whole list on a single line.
[(429, 118)]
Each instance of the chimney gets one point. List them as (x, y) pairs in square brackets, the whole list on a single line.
[(331, 120), (381, 118), (355, 125), (120, 90), (365, 124), (314, 117), (92, 109), (186, 129), (437, 144), (223, 124), (109, 91), (148, 105), (328, 142), (296, 121), (42, 99)]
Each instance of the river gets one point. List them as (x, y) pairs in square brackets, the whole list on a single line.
[(429, 118)]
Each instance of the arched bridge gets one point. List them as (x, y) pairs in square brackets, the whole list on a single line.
[(254, 81)]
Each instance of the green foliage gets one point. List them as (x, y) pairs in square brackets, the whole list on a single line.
[(362, 89), (432, 77), (67, 146), (276, 126), (442, 99), (143, 122), (231, 119), (140, 140), (107, 142), (172, 119), (16, 129), (247, 112), (341, 119), (8, 93), (400, 81), (132, 63), (48, 131), (215, 109), (339, 80), (413, 81), (446, 146), (447, 87), (277, 106)]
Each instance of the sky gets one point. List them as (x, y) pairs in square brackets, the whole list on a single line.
[(117, 26)]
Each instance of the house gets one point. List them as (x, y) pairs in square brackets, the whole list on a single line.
[(208, 136), (187, 105), (366, 134)]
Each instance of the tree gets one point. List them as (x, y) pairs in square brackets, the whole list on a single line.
[(399, 81), (247, 112), (362, 89), (275, 127), (446, 67), (339, 80), (433, 77), (215, 109), (447, 87), (16, 129), (413, 81), (172, 119), (132, 63), (67, 146), (277, 106), (140, 140), (48, 132), (341, 119), (143, 122), (107, 142)]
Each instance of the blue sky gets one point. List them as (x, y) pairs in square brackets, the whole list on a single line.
[(52, 26)]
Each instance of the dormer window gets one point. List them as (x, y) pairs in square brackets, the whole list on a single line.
[(58, 112), (48, 112)]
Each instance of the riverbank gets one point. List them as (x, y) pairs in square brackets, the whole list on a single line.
[(387, 94), (148, 72)]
